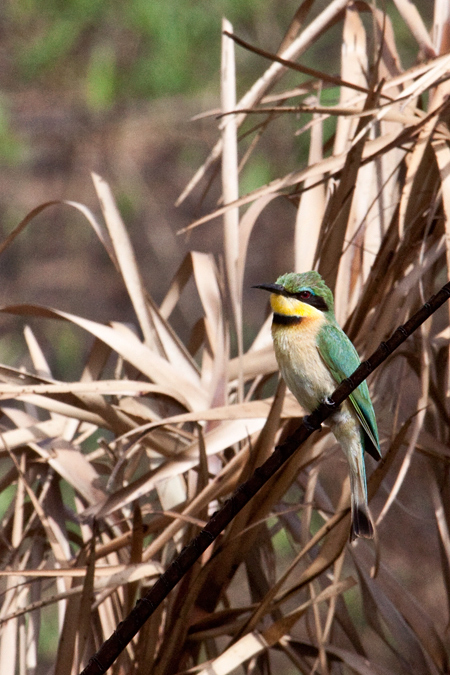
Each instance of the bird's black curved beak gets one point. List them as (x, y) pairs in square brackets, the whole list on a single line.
[(272, 288)]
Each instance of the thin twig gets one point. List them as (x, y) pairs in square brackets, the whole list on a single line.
[(312, 72)]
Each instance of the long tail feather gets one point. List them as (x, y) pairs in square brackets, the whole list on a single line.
[(361, 522), (349, 434)]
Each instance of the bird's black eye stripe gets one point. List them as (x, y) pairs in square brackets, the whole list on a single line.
[(314, 300)]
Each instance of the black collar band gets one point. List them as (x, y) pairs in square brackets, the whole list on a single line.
[(285, 320)]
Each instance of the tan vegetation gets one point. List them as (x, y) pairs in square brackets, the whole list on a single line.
[(104, 480)]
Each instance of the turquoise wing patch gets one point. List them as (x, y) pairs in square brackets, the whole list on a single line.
[(342, 359)]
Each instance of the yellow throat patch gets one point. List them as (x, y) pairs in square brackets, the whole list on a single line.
[(292, 307)]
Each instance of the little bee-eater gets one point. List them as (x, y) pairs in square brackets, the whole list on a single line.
[(314, 356)]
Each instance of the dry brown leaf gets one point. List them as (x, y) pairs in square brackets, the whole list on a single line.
[(129, 347)]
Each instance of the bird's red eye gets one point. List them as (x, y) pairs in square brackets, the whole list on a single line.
[(304, 295)]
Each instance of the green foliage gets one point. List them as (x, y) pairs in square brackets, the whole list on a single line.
[(67, 350), (48, 638), (101, 79), (281, 543), (255, 175), (7, 496), (116, 51), (11, 147)]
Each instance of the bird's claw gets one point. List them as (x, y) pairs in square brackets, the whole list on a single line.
[(330, 403)]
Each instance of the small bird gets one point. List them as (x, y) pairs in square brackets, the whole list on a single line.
[(314, 355)]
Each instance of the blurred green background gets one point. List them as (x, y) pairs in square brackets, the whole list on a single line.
[(111, 86)]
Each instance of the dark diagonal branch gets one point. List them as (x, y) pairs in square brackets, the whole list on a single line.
[(128, 628)]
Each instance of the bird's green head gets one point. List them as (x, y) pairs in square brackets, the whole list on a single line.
[(304, 295), (311, 283)]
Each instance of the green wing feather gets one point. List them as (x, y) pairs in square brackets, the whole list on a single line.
[(342, 359)]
